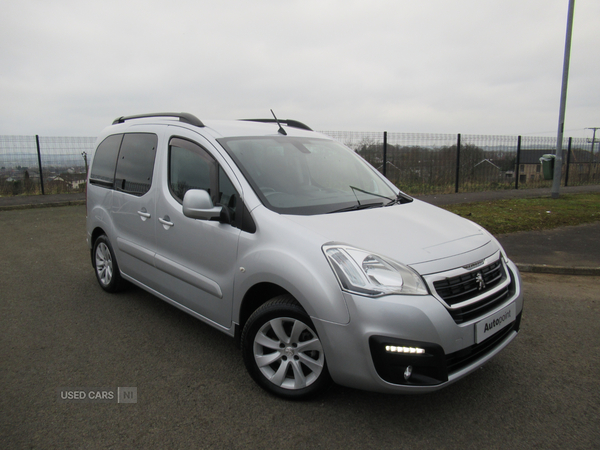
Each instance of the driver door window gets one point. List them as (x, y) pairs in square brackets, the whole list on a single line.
[(192, 167)]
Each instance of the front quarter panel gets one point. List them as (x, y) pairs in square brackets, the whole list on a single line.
[(297, 265)]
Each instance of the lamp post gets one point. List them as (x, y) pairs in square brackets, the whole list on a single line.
[(563, 103)]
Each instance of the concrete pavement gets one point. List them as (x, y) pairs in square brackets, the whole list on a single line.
[(61, 330)]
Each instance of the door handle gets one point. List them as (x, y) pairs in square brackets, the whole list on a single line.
[(144, 214), (166, 221)]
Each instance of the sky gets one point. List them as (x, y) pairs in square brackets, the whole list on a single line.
[(70, 67)]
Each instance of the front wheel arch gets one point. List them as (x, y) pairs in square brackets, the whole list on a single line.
[(257, 295)]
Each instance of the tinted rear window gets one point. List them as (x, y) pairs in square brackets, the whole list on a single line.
[(105, 160), (136, 163)]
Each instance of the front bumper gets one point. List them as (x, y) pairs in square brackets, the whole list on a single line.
[(357, 356)]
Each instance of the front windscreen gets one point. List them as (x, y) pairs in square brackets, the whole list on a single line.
[(294, 175)]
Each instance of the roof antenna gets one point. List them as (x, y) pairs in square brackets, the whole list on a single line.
[(281, 130)]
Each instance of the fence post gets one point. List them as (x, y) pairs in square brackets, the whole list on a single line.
[(518, 162), (457, 163), (568, 162), (84, 154), (384, 153), (37, 143)]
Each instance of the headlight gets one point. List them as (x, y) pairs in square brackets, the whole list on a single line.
[(373, 275)]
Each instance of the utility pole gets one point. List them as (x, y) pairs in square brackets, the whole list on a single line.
[(563, 103), (593, 139)]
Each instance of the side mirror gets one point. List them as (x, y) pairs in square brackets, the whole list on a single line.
[(198, 205)]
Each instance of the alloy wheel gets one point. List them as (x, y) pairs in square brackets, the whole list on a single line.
[(288, 353)]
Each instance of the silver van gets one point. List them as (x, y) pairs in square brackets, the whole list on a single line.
[(290, 242)]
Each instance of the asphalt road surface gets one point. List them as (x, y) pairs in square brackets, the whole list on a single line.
[(59, 330)]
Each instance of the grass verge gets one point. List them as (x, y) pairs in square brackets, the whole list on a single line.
[(530, 214)]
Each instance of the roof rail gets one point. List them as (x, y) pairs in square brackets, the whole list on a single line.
[(288, 122), (183, 117)]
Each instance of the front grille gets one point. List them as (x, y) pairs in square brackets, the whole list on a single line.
[(464, 287), (480, 308), (487, 287)]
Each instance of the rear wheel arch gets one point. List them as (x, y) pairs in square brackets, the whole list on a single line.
[(105, 264), (95, 235)]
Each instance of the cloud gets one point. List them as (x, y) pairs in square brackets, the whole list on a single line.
[(71, 67)]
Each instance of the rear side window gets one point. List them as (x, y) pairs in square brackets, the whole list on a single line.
[(105, 161), (136, 163)]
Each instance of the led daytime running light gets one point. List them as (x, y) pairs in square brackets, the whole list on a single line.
[(404, 350)]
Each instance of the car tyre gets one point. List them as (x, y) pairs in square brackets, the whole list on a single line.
[(105, 266), (282, 352)]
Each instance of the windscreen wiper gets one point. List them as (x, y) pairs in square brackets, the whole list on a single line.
[(357, 207), (401, 198), (354, 188)]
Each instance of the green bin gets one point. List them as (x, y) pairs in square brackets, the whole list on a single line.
[(547, 162)]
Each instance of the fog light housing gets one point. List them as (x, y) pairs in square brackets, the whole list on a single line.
[(404, 362)]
